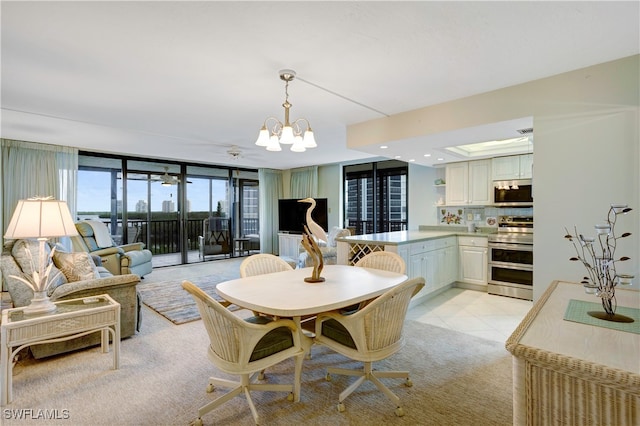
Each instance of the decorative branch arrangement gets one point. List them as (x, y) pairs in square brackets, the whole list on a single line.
[(40, 279), (311, 246), (597, 254)]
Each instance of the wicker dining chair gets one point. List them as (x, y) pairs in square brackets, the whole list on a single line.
[(371, 334), (385, 260), (246, 347), (263, 263)]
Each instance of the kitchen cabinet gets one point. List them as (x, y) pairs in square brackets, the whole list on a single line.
[(473, 253), (434, 260), (468, 183), (512, 167)]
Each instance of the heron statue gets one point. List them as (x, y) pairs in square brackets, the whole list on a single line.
[(315, 229)]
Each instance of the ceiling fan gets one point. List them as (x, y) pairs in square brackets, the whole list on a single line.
[(168, 180), (165, 179), (235, 152)]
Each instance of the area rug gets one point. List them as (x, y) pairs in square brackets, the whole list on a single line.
[(170, 300)]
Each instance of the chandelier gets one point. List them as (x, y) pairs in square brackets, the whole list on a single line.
[(297, 134)]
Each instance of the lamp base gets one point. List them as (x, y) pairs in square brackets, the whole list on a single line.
[(40, 304)]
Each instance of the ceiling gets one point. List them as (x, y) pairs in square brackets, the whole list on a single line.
[(190, 80)]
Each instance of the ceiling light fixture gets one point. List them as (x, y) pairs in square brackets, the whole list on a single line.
[(286, 133)]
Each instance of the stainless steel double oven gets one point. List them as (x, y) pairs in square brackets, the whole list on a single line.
[(511, 258)]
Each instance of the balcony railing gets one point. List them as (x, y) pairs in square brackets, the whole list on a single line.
[(163, 236)]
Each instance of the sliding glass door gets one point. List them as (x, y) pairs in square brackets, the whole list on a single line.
[(208, 195), (166, 205)]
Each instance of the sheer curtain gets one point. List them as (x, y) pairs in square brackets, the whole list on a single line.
[(33, 169), (270, 192), (304, 182)]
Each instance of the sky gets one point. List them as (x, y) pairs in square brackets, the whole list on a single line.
[(94, 193)]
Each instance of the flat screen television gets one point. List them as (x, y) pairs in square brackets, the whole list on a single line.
[(292, 215)]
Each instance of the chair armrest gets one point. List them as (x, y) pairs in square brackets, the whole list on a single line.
[(108, 251), (96, 259), (132, 247), (95, 286)]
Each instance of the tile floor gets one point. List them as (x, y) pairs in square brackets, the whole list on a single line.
[(472, 312)]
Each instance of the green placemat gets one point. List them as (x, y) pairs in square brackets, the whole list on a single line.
[(577, 312)]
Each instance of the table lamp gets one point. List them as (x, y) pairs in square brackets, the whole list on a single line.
[(41, 218)]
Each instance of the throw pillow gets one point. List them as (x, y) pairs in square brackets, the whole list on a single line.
[(27, 255), (77, 266)]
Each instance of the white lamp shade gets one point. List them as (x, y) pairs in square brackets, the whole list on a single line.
[(309, 139), (40, 218), (286, 138), (298, 145), (273, 144), (263, 137)]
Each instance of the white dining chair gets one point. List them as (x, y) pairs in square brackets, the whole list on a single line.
[(371, 334), (385, 260), (263, 263), (246, 347)]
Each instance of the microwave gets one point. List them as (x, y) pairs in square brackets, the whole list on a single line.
[(513, 193)]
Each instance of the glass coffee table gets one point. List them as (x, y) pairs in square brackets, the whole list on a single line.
[(72, 318)]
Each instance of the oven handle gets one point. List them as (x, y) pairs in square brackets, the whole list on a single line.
[(515, 247), (518, 266)]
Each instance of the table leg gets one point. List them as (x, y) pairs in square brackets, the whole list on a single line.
[(116, 342), (104, 342), (5, 372)]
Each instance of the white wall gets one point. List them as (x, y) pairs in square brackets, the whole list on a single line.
[(583, 164), (586, 155), (422, 196), (330, 187)]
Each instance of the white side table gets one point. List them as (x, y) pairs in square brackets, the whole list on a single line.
[(72, 318)]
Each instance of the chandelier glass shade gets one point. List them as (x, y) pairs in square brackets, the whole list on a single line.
[(297, 134)]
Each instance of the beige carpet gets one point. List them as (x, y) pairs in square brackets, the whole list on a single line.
[(458, 380)]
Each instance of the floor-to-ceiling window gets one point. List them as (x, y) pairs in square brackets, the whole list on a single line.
[(164, 204), (249, 207), (100, 193), (376, 196)]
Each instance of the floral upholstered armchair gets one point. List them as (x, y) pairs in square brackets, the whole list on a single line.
[(75, 275), (329, 250)]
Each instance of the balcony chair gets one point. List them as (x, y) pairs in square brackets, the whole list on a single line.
[(80, 277), (371, 334), (215, 238), (246, 347), (95, 239)]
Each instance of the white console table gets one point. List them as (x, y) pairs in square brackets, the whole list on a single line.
[(567, 372), (73, 318)]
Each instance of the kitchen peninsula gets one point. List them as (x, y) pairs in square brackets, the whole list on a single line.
[(431, 252)]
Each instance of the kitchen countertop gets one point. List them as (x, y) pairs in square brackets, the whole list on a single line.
[(405, 237)]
